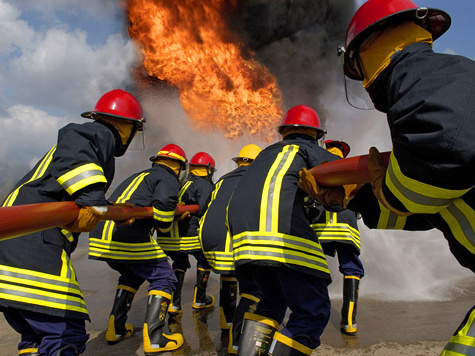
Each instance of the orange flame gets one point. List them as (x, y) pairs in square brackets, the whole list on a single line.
[(188, 44)]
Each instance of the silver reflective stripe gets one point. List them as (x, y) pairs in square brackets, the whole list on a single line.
[(414, 196), (47, 281), (82, 176), (463, 222), (263, 241), (460, 349), (32, 295)]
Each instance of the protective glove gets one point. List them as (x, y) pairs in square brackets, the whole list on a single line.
[(129, 221), (183, 216), (377, 171), (87, 219), (328, 196)]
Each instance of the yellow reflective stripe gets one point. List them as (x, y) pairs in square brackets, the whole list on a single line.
[(220, 261), (26, 351), (187, 243), (160, 293), (124, 251), (183, 190), (165, 216), (461, 219), (81, 177), (34, 296), (64, 265), (107, 230), (291, 343), (418, 197), (389, 220), (127, 288), (281, 248), (38, 279), (463, 342), (132, 187), (269, 216), (40, 171)]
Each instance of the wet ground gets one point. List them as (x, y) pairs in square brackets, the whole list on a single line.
[(384, 328)]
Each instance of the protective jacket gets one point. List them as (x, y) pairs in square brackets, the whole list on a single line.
[(333, 228), (429, 99), (184, 233), (214, 235), (266, 213), (36, 273), (157, 187)]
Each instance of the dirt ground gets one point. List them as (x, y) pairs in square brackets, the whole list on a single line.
[(384, 328)]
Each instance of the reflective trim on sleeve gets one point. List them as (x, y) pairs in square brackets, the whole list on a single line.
[(461, 219), (463, 342), (389, 220), (165, 216), (332, 230), (418, 197), (81, 177)]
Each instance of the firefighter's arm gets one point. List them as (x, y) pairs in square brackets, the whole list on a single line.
[(377, 171), (328, 196)]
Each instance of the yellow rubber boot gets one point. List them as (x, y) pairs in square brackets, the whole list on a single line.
[(154, 340)]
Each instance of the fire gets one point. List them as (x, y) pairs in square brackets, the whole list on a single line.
[(189, 44)]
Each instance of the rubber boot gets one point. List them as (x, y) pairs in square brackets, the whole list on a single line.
[(117, 329), (175, 306), (257, 335), (285, 346), (32, 351), (247, 304), (200, 299), (154, 340), (227, 301), (348, 311)]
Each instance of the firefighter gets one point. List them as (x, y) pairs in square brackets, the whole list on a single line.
[(429, 101), (275, 245), (41, 298), (217, 248), (338, 234), (183, 240), (132, 251)]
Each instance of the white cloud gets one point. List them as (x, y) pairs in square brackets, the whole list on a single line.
[(15, 33)]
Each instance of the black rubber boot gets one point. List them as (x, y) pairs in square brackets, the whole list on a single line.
[(348, 311), (200, 299), (227, 301), (154, 340), (175, 306), (257, 335), (285, 346), (117, 329), (247, 304)]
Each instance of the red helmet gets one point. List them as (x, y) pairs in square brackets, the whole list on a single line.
[(118, 103), (302, 115), (341, 145), (171, 151), (374, 15), (203, 159)]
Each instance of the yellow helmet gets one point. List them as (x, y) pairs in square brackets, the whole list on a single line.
[(248, 153)]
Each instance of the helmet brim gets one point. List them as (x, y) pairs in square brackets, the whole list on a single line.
[(93, 115)]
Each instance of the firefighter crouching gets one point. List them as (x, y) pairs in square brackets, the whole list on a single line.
[(274, 244), (430, 105), (182, 240), (338, 233), (216, 243), (132, 251), (41, 298)]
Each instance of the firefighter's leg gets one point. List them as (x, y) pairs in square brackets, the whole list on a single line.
[(348, 324), (247, 304), (118, 329), (175, 305), (200, 299), (463, 341), (228, 293), (257, 334), (285, 346), (29, 339), (154, 340)]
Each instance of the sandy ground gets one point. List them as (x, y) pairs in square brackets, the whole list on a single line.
[(384, 328)]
